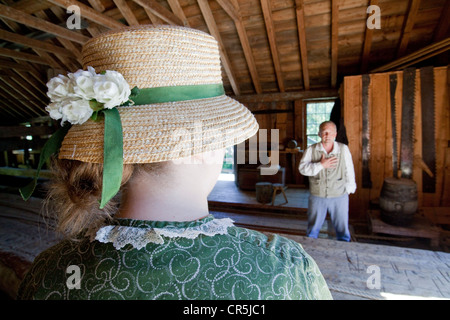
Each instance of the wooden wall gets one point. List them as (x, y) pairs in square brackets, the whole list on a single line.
[(286, 112), (380, 163)]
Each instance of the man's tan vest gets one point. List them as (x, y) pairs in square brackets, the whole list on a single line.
[(328, 183)]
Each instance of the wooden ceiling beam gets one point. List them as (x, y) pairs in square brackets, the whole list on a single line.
[(267, 13), (89, 13), (178, 11), (334, 41), (408, 25), (300, 15), (45, 26), (97, 5), (126, 12), (18, 91), (287, 96), (33, 43), (65, 42), (417, 56), (40, 88), (51, 61), (25, 109), (22, 56), (367, 45), (233, 12), (5, 108), (12, 105), (29, 6), (214, 31), (153, 18), (443, 27), (160, 11), (27, 87)]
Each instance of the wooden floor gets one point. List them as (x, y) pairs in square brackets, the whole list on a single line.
[(227, 191), (404, 273)]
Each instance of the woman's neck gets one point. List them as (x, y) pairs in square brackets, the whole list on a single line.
[(145, 200)]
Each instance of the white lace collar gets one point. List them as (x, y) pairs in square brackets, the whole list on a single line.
[(139, 237)]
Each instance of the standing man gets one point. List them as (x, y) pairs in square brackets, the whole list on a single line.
[(329, 166)]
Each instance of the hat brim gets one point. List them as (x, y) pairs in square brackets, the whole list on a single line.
[(166, 131)]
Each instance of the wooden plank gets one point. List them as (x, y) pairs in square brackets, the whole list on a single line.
[(31, 21), (353, 124), (126, 12), (368, 33), (300, 15), (178, 11), (23, 56), (417, 56), (442, 127), (437, 215), (213, 29), (22, 131), (19, 172), (234, 14), (160, 11), (441, 30), (379, 103), (89, 13), (287, 96), (445, 197), (14, 105), (14, 93), (267, 12), (405, 273), (419, 228), (33, 43), (417, 143), (408, 25), (334, 41)]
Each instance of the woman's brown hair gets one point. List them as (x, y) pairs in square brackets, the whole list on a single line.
[(74, 193)]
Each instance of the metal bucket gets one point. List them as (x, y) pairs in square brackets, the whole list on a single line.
[(398, 201)]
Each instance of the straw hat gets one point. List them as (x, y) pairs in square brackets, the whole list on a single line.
[(165, 57)]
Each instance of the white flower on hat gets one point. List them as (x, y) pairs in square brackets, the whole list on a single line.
[(75, 111), (75, 97), (83, 83), (54, 110), (111, 89), (59, 88)]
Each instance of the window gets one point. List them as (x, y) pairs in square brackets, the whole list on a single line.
[(316, 113)]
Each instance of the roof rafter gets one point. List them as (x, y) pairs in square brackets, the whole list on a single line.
[(367, 43), (40, 24), (126, 12), (267, 12), (160, 11), (210, 22), (89, 13), (300, 15), (407, 27), (233, 12), (334, 41)]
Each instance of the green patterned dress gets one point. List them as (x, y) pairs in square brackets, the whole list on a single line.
[(206, 259)]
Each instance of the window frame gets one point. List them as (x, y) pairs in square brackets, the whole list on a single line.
[(305, 116)]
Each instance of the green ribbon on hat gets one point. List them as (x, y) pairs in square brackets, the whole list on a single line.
[(178, 93), (113, 135)]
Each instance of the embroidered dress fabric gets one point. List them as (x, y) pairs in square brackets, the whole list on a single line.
[(206, 259)]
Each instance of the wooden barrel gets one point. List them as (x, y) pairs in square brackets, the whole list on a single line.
[(398, 201), (264, 191)]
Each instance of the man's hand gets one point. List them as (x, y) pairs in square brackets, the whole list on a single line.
[(329, 163)]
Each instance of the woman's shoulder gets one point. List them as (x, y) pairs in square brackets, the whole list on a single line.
[(276, 245)]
